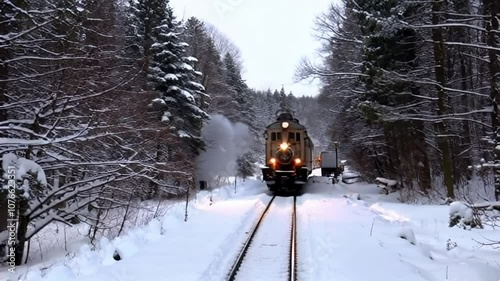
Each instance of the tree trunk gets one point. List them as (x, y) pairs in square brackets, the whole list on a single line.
[(420, 158), (493, 7), (440, 61), (22, 230), (122, 225), (467, 140), (393, 162)]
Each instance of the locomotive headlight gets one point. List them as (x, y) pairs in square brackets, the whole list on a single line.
[(285, 125), (273, 161), (284, 146), (297, 161)]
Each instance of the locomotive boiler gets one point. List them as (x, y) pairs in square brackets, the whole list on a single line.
[(289, 154)]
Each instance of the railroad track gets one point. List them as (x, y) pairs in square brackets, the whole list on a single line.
[(269, 253)]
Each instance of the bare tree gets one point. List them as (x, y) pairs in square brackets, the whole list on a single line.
[(224, 45)]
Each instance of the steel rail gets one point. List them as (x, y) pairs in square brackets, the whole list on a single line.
[(246, 246), (292, 266), (293, 244)]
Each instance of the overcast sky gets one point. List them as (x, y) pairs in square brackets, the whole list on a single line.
[(273, 35)]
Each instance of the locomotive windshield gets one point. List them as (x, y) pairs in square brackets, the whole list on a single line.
[(275, 136)]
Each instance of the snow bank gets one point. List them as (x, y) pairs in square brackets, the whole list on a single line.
[(461, 209), (408, 234), (373, 239), (463, 215), (186, 250)]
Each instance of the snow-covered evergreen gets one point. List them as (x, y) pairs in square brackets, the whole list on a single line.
[(145, 16), (174, 78)]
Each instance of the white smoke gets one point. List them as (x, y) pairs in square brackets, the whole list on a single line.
[(225, 143)]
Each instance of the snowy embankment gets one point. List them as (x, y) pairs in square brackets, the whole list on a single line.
[(339, 238), (165, 248), (375, 238)]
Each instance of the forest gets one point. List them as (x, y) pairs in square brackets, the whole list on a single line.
[(107, 99), (417, 84)]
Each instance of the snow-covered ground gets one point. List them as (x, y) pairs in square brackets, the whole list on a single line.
[(376, 238), (339, 238)]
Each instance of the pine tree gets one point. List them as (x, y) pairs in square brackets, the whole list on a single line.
[(237, 90), (146, 15), (202, 47), (241, 100), (196, 37), (175, 79), (214, 80), (284, 102)]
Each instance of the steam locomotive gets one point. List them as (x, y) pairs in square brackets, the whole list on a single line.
[(289, 154)]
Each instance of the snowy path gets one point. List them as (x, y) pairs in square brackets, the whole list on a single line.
[(268, 256)]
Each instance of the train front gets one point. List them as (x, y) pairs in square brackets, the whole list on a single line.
[(288, 154)]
